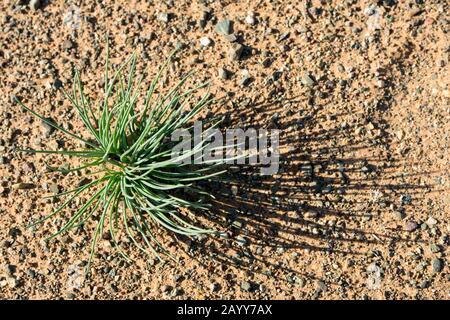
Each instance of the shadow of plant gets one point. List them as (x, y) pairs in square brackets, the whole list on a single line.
[(336, 184)]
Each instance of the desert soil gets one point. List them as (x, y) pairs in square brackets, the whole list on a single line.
[(359, 91)]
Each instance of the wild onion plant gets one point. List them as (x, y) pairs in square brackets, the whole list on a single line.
[(138, 186)]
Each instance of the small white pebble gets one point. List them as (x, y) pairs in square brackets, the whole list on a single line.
[(205, 41), (245, 73), (431, 221), (250, 20)]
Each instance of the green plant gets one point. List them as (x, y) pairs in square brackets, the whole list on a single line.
[(138, 185)]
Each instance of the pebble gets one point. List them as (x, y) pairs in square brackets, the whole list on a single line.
[(177, 292), (230, 38), (163, 17), (307, 80), (283, 36), (370, 10), (237, 224), (405, 199), (22, 186), (437, 265), (246, 286), (431, 222), (421, 266), (250, 20), (70, 296), (35, 4), (224, 235), (177, 277), (241, 241), (411, 226), (223, 74), (275, 117), (31, 273), (47, 129), (300, 282), (290, 279), (67, 44), (434, 248), (213, 287), (205, 42), (236, 51), (166, 289), (424, 284), (179, 45), (400, 215), (245, 80), (10, 269), (310, 214), (374, 273), (12, 282), (266, 62), (223, 27), (321, 286), (53, 188), (194, 60), (5, 244)]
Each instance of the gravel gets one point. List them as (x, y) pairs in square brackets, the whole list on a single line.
[(431, 222), (250, 19), (266, 62), (163, 17), (283, 36), (53, 188), (434, 248), (214, 287), (70, 296), (399, 215), (411, 226), (241, 241), (307, 80), (223, 74), (224, 27), (246, 286), (321, 286), (245, 80), (437, 265), (205, 42), (235, 52), (67, 44), (12, 282), (166, 289), (35, 4), (47, 129), (22, 186), (230, 38), (405, 199)]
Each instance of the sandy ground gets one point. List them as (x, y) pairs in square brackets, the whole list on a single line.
[(359, 91)]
